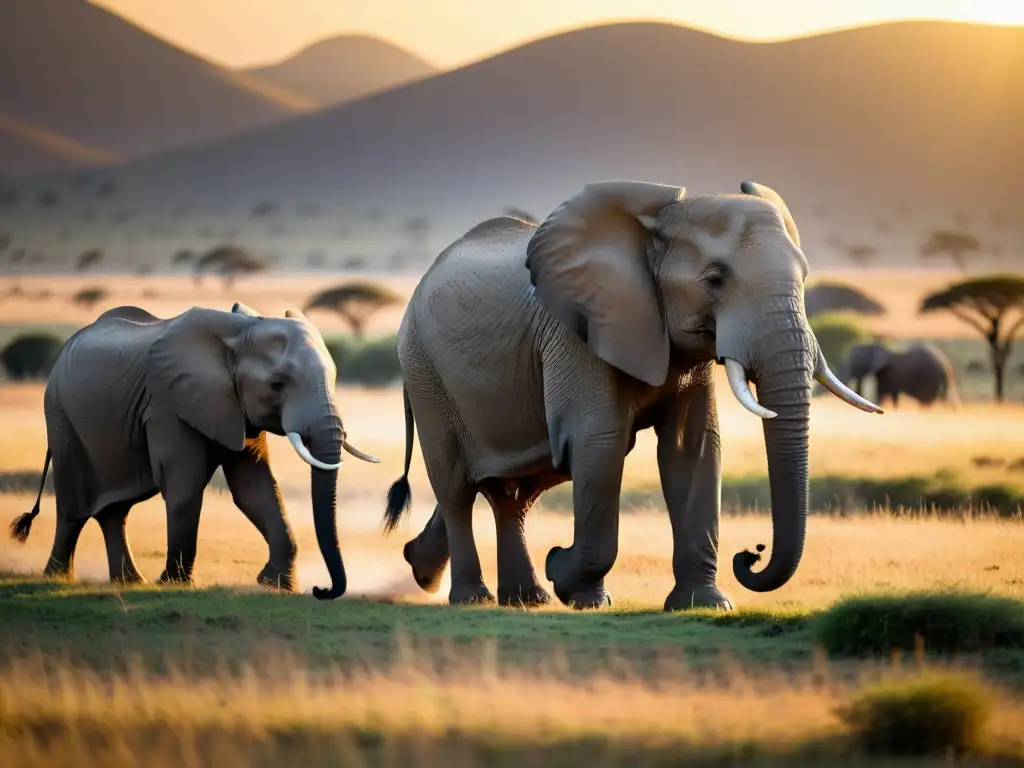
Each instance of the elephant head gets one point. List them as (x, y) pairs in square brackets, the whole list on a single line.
[(231, 375), (638, 270), (865, 360)]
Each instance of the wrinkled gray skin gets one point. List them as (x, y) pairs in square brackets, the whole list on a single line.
[(137, 405), (921, 372), (533, 355)]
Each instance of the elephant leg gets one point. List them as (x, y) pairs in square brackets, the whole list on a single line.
[(61, 563), (113, 521), (517, 579), (72, 486), (428, 553), (577, 572), (182, 477), (256, 493), (690, 466), (467, 578)]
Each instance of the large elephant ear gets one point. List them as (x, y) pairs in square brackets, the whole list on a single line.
[(588, 265), (769, 194), (189, 367)]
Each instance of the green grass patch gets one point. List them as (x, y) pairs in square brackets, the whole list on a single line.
[(943, 622), (212, 625)]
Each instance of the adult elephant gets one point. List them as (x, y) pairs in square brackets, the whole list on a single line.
[(532, 355), (136, 405), (921, 371)]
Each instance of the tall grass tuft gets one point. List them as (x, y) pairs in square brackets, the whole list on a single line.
[(928, 715)]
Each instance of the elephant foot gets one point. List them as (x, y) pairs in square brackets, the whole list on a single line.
[(524, 595), (275, 578), (175, 578), (470, 595), (55, 570), (128, 579), (570, 587), (689, 597), (427, 570), (591, 598)]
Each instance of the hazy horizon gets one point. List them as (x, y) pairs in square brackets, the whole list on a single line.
[(276, 30)]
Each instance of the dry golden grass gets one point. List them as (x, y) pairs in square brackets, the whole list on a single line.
[(56, 715)]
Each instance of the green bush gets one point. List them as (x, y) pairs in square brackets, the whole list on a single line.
[(945, 622), (372, 363), (836, 333), (30, 356), (930, 715)]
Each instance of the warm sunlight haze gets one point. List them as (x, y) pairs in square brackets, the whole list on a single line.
[(488, 384), (452, 32)]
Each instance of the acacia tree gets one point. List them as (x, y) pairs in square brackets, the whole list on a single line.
[(229, 262), (354, 302), (959, 246), (993, 306)]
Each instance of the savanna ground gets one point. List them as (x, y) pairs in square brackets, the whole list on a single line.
[(227, 673)]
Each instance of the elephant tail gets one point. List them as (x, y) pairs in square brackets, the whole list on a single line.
[(400, 494), (21, 526)]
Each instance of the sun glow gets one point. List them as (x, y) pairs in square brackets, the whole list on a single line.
[(453, 32)]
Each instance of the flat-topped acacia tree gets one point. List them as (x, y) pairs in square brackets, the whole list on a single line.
[(354, 302), (994, 306)]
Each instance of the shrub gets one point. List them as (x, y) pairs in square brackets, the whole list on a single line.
[(946, 622), (930, 715), (31, 356), (836, 333), (368, 364), (24, 481), (941, 494)]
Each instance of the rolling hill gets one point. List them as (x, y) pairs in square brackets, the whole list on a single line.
[(344, 68), (875, 134), (25, 148), (78, 71)]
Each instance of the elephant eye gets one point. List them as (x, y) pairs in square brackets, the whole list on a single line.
[(277, 385), (715, 278)]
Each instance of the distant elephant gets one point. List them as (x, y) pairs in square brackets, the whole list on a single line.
[(136, 405), (532, 355), (922, 372)]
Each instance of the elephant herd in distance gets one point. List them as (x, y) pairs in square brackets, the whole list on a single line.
[(531, 353), (921, 372)]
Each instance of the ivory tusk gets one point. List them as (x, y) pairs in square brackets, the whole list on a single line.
[(738, 383), (359, 454), (831, 382), (300, 448)]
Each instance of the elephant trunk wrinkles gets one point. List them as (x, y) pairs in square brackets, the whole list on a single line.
[(782, 372), (323, 436)]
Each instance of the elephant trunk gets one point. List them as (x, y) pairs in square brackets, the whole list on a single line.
[(780, 359), (784, 385), (322, 439)]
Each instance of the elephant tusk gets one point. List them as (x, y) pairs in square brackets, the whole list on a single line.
[(359, 454), (300, 448), (738, 383), (833, 384)]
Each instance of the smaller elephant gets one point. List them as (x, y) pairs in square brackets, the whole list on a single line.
[(137, 405), (922, 372)]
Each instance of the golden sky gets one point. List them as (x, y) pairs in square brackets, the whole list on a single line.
[(452, 32)]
